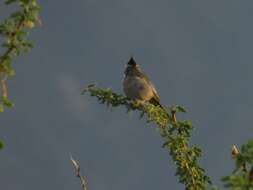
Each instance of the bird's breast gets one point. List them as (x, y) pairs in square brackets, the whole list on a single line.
[(137, 88)]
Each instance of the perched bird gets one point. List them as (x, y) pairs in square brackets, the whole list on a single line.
[(137, 86)]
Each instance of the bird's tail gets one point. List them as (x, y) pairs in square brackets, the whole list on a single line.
[(155, 102)]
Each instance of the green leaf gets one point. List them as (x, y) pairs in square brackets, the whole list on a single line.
[(181, 109), (25, 1), (10, 1), (6, 102), (142, 114), (1, 144), (16, 14), (87, 88), (8, 66), (1, 108)]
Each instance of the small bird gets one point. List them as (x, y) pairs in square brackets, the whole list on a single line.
[(137, 86)]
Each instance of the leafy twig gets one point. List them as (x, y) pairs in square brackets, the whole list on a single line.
[(13, 29)]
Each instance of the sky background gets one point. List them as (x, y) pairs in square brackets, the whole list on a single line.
[(198, 54)]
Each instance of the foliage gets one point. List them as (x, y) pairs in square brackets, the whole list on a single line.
[(1, 145), (242, 176), (14, 32), (175, 133)]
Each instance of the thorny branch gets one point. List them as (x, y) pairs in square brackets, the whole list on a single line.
[(176, 135)]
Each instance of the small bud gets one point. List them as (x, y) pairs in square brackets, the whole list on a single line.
[(174, 118), (29, 24), (234, 151), (173, 110)]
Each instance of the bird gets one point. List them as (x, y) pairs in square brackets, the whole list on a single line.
[(137, 86)]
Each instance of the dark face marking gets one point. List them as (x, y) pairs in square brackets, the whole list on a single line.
[(131, 62)]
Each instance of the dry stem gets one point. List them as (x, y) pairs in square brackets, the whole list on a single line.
[(78, 173)]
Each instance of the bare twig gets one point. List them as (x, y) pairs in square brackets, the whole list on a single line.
[(83, 179), (174, 119)]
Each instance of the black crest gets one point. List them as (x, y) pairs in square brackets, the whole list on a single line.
[(132, 62)]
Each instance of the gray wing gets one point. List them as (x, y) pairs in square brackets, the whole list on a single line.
[(143, 75), (156, 96)]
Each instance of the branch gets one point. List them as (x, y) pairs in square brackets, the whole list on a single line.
[(78, 173), (13, 29), (176, 135), (12, 36)]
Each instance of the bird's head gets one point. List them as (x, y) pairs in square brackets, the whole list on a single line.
[(132, 68)]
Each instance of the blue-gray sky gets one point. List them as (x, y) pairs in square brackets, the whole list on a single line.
[(198, 54)]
